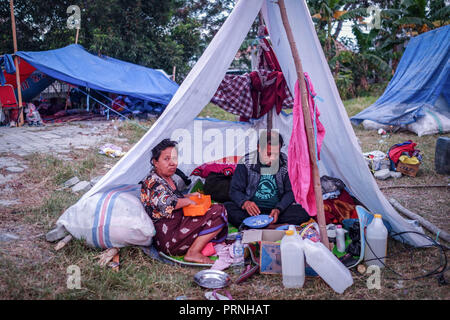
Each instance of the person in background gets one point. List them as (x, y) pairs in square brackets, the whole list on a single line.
[(261, 185), (177, 234)]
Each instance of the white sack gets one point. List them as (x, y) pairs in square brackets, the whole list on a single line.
[(431, 123), (114, 218)]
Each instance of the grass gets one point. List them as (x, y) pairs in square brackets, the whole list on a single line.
[(353, 106), (31, 269), (213, 111)]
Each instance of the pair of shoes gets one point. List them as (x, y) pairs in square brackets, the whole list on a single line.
[(12, 124)]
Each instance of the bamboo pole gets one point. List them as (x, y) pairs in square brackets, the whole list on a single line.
[(308, 126), (16, 62)]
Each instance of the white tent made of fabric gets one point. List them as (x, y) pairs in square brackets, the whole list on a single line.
[(341, 155)]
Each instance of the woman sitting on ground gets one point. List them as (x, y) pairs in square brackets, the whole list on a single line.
[(177, 234)]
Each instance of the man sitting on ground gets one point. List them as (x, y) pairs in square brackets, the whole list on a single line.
[(261, 185)]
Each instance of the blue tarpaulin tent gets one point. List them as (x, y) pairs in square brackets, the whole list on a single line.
[(421, 78), (75, 65)]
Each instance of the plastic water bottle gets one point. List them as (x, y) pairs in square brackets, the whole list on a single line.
[(376, 242), (340, 238), (292, 260), (238, 252)]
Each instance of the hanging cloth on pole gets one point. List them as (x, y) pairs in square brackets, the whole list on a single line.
[(299, 164), (254, 94)]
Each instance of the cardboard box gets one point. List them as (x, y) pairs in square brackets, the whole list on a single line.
[(270, 254), (408, 169)]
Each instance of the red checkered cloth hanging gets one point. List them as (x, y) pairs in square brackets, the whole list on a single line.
[(252, 95), (234, 95)]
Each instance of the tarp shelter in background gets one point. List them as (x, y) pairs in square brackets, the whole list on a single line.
[(341, 155), (75, 65), (32, 81), (420, 83)]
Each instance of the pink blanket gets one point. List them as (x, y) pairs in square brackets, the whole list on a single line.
[(299, 165)]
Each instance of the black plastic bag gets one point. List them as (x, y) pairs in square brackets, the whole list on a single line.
[(218, 186)]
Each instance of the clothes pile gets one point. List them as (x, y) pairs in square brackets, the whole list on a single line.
[(135, 106), (405, 158), (380, 165), (338, 204), (217, 175)]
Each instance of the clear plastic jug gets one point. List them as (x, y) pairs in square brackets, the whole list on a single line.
[(376, 242), (292, 260), (327, 266)]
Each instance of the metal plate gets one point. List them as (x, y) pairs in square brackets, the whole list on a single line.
[(212, 279), (259, 221)]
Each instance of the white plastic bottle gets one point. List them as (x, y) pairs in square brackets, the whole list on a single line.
[(327, 266), (292, 227), (376, 242), (292, 260), (238, 252), (340, 238)]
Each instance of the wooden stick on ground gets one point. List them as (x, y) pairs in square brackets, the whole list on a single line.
[(417, 186), (61, 244), (427, 224), (308, 126)]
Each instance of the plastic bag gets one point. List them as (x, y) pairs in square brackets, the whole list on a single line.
[(115, 218), (111, 150), (310, 231)]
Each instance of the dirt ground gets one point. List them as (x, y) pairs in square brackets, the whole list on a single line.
[(31, 269)]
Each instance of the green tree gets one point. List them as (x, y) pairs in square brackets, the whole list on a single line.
[(400, 20), (154, 33)]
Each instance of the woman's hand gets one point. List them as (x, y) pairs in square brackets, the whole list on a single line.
[(184, 202), (194, 194)]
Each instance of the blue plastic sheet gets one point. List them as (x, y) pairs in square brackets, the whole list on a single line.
[(421, 77), (73, 64), (6, 61)]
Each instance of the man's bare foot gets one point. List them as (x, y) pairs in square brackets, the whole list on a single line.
[(198, 258)]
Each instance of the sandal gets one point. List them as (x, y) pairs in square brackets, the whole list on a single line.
[(247, 273), (213, 295)]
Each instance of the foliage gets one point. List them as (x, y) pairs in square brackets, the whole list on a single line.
[(364, 64), (174, 33), (153, 33)]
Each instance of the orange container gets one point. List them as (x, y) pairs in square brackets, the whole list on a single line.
[(202, 205)]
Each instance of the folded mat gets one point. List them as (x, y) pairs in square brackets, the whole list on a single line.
[(162, 257)]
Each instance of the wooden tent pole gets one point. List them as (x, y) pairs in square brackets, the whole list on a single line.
[(76, 35), (16, 62), (270, 113), (308, 126)]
